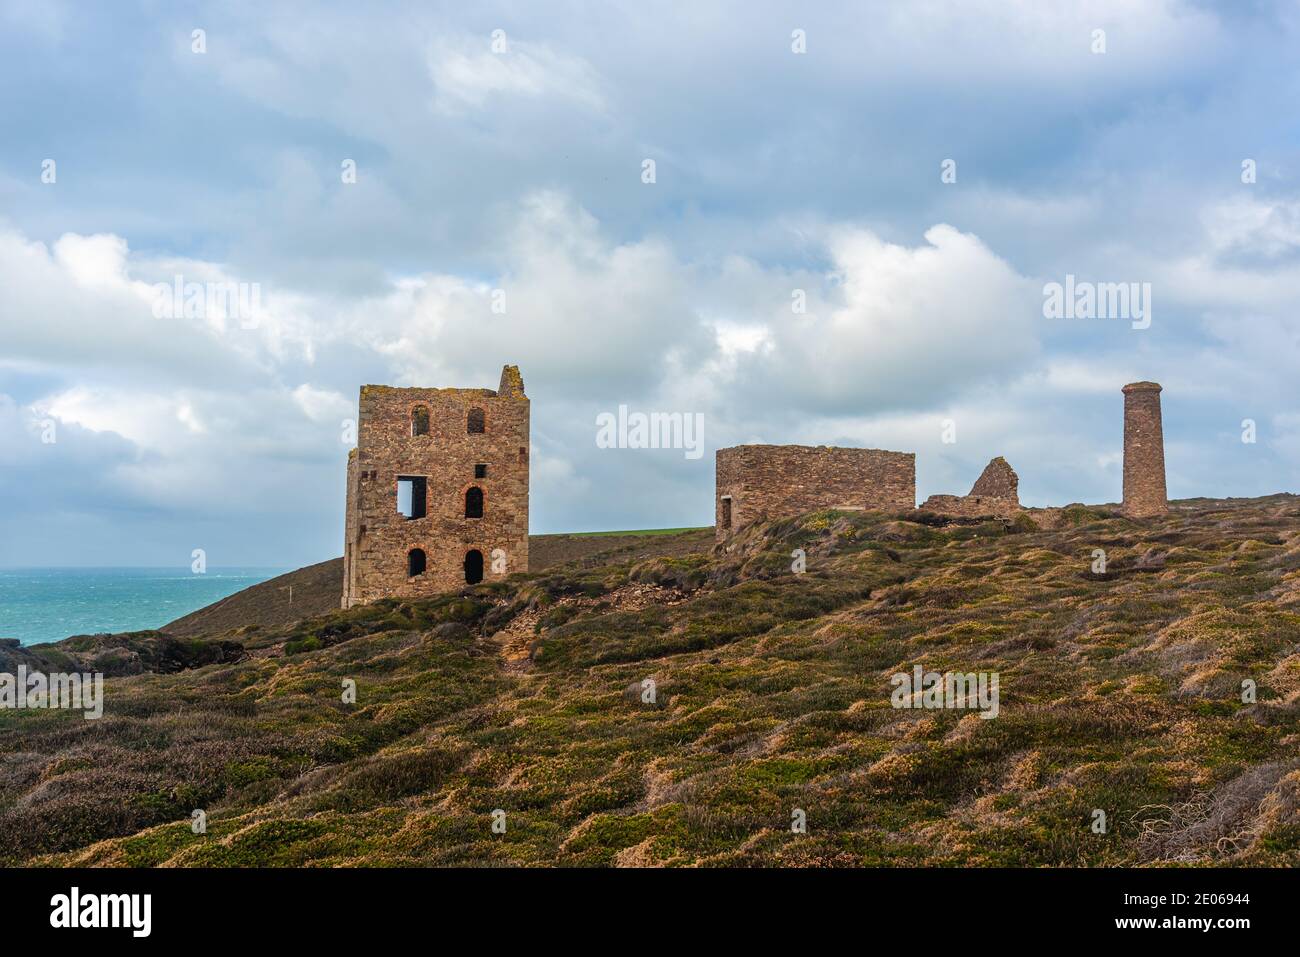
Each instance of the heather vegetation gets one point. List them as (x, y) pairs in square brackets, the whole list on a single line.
[(1121, 691)]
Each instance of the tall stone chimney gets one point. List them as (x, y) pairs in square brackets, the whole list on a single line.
[(1144, 452)]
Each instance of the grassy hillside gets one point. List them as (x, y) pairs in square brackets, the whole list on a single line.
[(316, 589), (1119, 692), (287, 598), (640, 532)]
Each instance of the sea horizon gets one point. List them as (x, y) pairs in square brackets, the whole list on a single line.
[(52, 602)]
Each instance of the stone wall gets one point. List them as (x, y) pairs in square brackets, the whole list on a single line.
[(996, 494), (777, 481), (378, 538), (1144, 452), (998, 481)]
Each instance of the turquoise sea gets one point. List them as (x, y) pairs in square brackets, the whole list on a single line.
[(46, 604)]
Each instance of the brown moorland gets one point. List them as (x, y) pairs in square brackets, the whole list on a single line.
[(1120, 691)]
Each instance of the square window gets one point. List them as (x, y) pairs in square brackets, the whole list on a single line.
[(480, 471), (412, 494)]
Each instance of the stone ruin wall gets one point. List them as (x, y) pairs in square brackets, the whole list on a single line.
[(780, 481), (995, 494), (968, 506), (753, 482), (378, 537)]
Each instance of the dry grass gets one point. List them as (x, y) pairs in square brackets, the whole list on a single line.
[(1119, 692)]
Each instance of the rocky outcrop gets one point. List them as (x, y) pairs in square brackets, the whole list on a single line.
[(129, 653)]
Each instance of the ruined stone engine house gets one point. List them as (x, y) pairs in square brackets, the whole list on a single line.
[(437, 490), (755, 482), (437, 487), (778, 481)]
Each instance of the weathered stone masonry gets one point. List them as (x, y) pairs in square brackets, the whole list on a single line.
[(756, 482), (1144, 452), (777, 481), (994, 494), (468, 448)]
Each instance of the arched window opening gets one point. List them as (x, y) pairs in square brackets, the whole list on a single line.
[(473, 566), (420, 420), (474, 502), (475, 422), (415, 562)]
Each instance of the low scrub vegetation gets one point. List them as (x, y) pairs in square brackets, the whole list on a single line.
[(718, 706)]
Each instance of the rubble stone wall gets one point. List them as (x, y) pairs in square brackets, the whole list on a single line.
[(777, 481), (378, 538)]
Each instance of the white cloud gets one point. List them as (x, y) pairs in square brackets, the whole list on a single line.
[(519, 171), (594, 322), (89, 302), (895, 339), (323, 405), (468, 74), (92, 261), (1246, 225), (897, 326)]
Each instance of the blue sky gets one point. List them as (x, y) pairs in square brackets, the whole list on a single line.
[(520, 169)]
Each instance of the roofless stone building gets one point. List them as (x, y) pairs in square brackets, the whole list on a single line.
[(755, 482), (437, 488), (437, 492)]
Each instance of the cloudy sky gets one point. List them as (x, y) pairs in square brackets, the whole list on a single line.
[(513, 163)]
